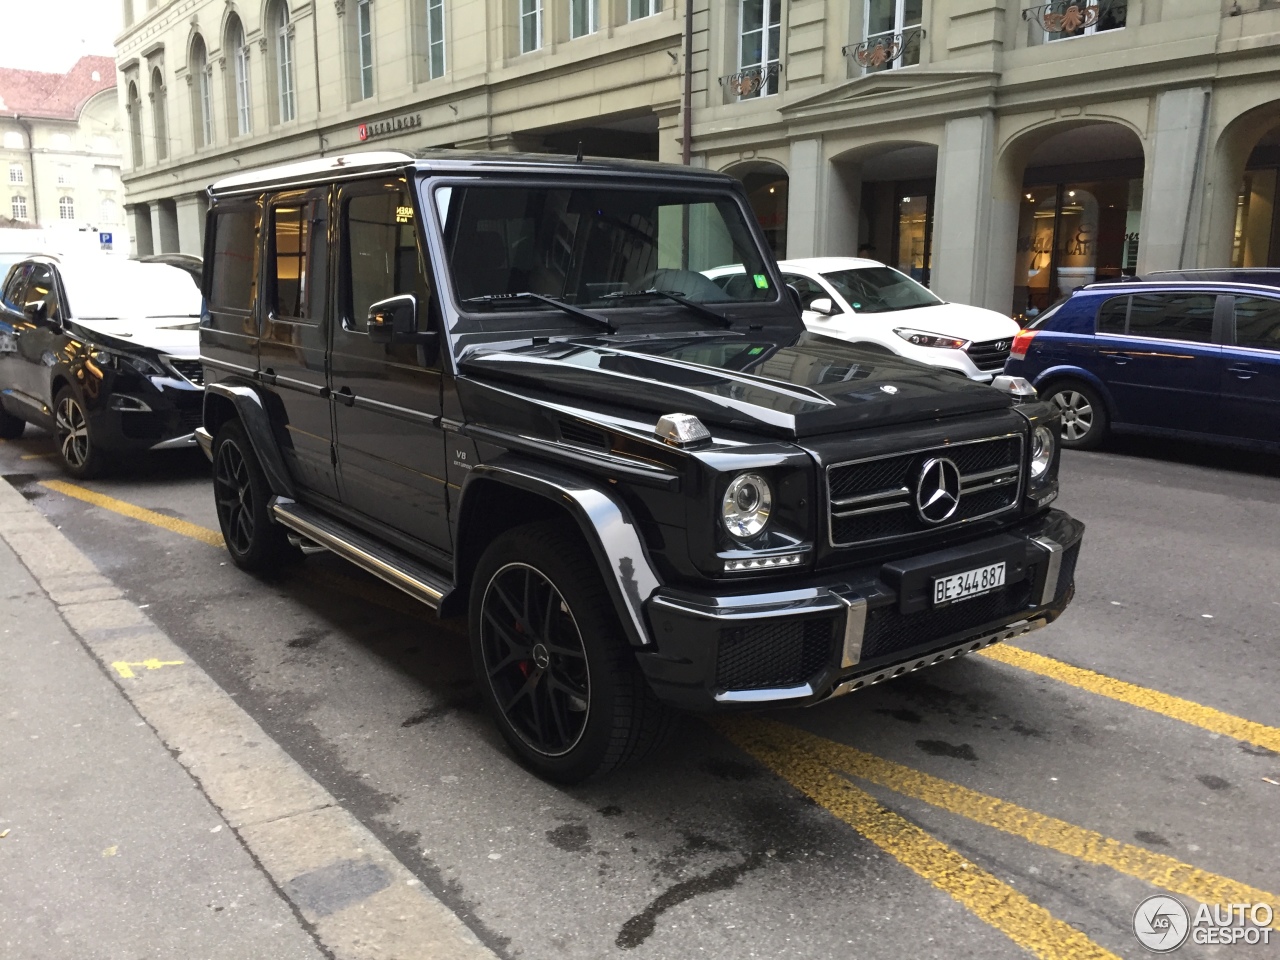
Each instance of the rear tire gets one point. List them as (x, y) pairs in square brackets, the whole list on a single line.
[(552, 661), (11, 427), (1084, 414), (81, 456), (241, 496)]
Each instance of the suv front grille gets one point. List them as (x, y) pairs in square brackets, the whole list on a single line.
[(191, 370), (874, 500), (989, 355), (776, 653)]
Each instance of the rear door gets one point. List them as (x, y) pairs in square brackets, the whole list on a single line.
[(36, 343), (1163, 370), (387, 397), (1251, 371), (293, 350), (229, 329)]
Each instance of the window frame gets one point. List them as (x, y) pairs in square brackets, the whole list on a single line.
[(345, 306), (535, 14), (312, 203), (651, 7), (66, 208), (364, 31), (593, 18), (435, 42), (767, 8), (16, 201)]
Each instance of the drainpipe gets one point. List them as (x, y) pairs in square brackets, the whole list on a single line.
[(686, 147), (31, 158)]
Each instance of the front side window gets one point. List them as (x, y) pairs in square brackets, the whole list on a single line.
[(283, 32), (298, 260), (1172, 316), (364, 47), (1258, 323), (17, 173), (18, 207), (235, 243), (893, 35), (583, 15), (435, 39), (880, 290), (809, 290), (530, 25), (381, 256), (42, 287), (639, 9), (759, 37), (66, 208)]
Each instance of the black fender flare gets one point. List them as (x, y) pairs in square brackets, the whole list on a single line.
[(252, 413), (604, 521)]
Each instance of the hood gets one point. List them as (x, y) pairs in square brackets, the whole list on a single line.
[(174, 336), (952, 320), (801, 385)]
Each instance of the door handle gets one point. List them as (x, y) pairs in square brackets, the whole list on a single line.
[(1242, 371), (1118, 358), (346, 396)]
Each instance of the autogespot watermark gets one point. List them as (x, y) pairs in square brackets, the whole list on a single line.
[(1162, 923)]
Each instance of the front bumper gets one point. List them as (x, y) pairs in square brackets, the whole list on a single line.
[(855, 628)]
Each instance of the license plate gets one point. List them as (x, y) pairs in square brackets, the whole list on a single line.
[(971, 583)]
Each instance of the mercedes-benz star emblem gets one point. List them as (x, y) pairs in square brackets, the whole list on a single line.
[(888, 388), (938, 490)]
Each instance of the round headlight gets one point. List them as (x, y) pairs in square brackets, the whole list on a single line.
[(1042, 441), (746, 506)]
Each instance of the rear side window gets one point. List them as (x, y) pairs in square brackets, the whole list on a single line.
[(298, 250), (382, 254), (1172, 316), (234, 280), (1258, 323), (1114, 315)]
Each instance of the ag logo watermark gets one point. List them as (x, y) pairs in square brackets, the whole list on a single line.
[(1162, 923)]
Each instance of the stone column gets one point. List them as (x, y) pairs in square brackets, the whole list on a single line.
[(962, 209), (805, 220), (191, 210), (140, 226), (843, 209), (1173, 188), (164, 227)]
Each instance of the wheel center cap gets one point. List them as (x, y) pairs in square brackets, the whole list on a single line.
[(541, 656)]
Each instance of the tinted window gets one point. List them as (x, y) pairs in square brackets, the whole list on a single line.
[(1258, 323), (1114, 315), (13, 288), (382, 254), (42, 287), (1173, 316), (298, 266), (234, 281)]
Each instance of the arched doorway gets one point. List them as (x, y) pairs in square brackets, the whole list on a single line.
[(766, 185), (896, 215), (1255, 238)]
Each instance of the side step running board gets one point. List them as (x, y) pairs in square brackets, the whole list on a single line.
[(413, 577)]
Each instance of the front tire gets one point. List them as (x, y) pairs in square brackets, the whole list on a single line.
[(551, 659), (242, 495), (81, 456), (1084, 414)]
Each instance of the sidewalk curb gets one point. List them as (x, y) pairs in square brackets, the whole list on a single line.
[(358, 900)]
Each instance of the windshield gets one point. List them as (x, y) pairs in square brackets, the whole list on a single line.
[(115, 288), (595, 246), (879, 290)]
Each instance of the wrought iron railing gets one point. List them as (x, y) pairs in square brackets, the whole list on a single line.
[(752, 82), (881, 52), (1073, 18)]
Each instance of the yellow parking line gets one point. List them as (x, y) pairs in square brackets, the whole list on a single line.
[(1198, 715), (38, 456), (1089, 846), (1027, 924), (172, 524)]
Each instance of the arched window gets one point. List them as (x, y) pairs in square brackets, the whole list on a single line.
[(202, 103), (135, 125), (66, 208), (158, 111), (18, 207), (282, 46), (239, 52)]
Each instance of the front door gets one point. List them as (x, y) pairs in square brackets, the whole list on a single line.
[(293, 348), (1251, 371), (36, 343), (390, 444), (1163, 372)]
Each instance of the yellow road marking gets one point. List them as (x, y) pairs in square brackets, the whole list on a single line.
[(1198, 715), (1162, 871), (1027, 924), (38, 456), (126, 669), (172, 524)]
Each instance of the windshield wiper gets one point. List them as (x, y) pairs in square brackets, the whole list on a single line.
[(694, 307), (568, 308)]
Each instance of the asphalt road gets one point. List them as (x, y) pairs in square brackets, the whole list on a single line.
[(978, 809)]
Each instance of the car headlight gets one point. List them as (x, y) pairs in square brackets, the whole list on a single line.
[(923, 338), (1042, 444), (746, 506), (125, 363)]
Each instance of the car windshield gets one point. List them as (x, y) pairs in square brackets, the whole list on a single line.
[(596, 247), (114, 288), (879, 290)]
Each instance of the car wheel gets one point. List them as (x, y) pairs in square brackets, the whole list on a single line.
[(551, 659), (11, 427), (241, 495), (81, 456), (1084, 415)]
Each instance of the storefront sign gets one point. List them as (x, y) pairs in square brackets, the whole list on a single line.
[(383, 128)]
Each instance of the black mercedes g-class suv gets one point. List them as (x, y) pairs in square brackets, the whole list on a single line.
[(507, 386)]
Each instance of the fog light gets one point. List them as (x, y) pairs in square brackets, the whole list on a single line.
[(128, 404)]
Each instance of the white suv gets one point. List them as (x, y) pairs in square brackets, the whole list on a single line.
[(864, 301)]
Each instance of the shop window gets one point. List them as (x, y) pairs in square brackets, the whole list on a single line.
[(914, 235), (894, 32)]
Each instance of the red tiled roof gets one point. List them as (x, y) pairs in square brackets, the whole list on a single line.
[(55, 95)]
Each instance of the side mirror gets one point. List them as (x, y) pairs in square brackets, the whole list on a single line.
[(795, 297), (395, 320), (824, 306), (37, 311)]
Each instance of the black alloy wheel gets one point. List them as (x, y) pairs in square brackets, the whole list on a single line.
[(241, 495), (1084, 415), (535, 661), (80, 455), (552, 661)]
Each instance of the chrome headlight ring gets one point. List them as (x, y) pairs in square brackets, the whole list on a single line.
[(747, 503)]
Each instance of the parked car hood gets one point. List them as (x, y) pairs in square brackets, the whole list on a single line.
[(789, 386), (949, 319), (175, 336)]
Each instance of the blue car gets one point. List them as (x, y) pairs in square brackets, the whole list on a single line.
[(1196, 360)]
